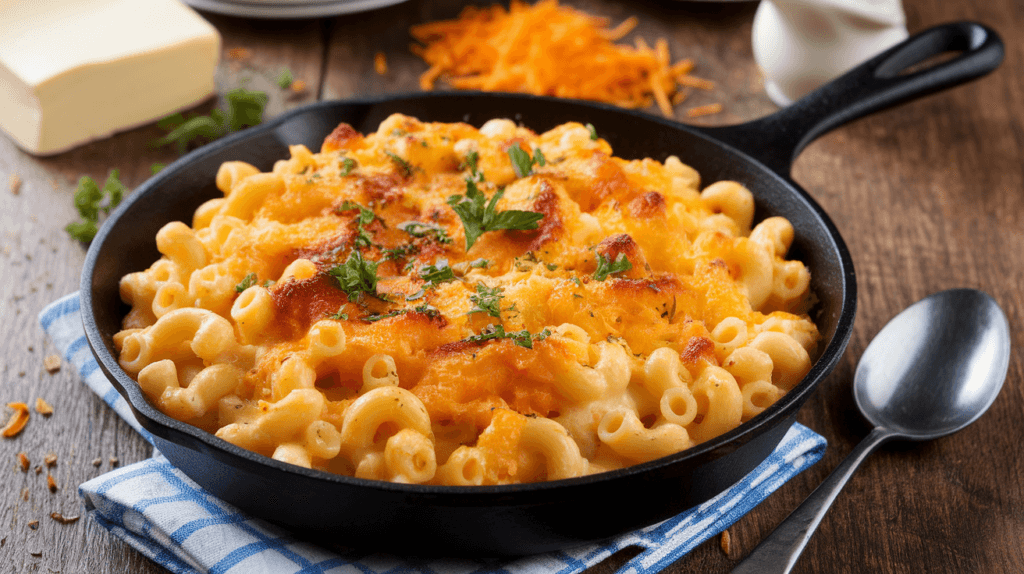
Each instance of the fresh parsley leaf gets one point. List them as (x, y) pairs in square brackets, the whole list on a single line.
[(438, 273), (487, 300), (606, 267), (347, 165), (339, 316), (538, 157), (374, 317), (479, 263), (403, 165), (522, 163), (421, 229), (83, 231), (89, 202), (356, 275), (244, 108), (285, 79), (471, 161), (478, 217), (400, 251), (426, 309), (365, 217), (551, 266), (577, 281), (593, 131), (248, 281), (157, 168)]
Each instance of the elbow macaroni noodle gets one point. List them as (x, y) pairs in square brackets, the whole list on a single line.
[(328, 314)]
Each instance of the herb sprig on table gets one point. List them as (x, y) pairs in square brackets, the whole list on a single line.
[(89, 201), (244, 109)]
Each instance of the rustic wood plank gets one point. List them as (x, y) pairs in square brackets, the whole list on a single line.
[(927, 197)]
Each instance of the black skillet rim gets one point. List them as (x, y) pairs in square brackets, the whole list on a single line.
[(156, 421)]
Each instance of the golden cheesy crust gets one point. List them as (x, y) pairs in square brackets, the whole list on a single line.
[(444, 304)]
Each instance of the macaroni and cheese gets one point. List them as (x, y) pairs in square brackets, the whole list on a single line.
[(436, 303)]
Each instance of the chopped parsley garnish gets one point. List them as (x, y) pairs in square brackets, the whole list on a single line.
[(248, 281), (593, 131), (551, 266), (403, 165), (365, 217), (522, 163), (157, 168), (89, 201), (377, 317), (400, 251), (347, 165), (244, 109), (606, 267), (285, 79), (487, 300), (538, 157), (438, 273), (522, 338), (420, 229), (339, 316), (356, 276), (426, 309), (479, 263), (471, 162), (480, 216)]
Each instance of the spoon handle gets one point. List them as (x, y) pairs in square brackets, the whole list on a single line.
[(779, 551)]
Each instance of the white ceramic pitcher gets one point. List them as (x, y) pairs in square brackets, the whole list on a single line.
[(802, 44)]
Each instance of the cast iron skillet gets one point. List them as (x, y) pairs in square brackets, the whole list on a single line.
[(520, 519)]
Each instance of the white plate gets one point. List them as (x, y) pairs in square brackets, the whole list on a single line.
[(271, 9)]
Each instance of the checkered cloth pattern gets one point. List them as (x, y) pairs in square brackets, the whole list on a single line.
[(159, 511)]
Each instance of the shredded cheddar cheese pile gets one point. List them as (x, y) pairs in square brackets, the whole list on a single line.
[(552, 50)]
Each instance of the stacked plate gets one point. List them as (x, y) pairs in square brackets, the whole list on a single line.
[(270, 9)]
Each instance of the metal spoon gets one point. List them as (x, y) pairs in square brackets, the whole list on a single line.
[(932, 370)]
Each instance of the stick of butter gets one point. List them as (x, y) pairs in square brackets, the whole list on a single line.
[(72, 71)]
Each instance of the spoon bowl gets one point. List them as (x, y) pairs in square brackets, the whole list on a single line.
[(936, 367), (932, 370)]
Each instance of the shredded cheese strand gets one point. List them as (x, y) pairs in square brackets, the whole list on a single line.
[(552, 50)]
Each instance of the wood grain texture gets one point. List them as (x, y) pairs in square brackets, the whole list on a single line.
[(928, 197)]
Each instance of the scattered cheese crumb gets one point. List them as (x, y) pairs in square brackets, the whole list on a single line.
[(51, 483), (547, 49), (43, 407), (380, 63), (14, 184), (17, 421), (97, 461), (52, 363), (113, 461), (33, 525), (24, 461), (64, 519), (726, 542), (703, 110), (298, 86), (50, 460)]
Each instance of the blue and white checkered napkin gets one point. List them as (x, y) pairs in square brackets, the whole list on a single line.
[(159, 511)]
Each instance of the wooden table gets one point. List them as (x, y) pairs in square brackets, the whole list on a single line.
[(928, 197)]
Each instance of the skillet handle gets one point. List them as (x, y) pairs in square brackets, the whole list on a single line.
[(878, 83)]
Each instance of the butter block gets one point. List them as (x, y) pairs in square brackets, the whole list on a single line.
[(72, 71)]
